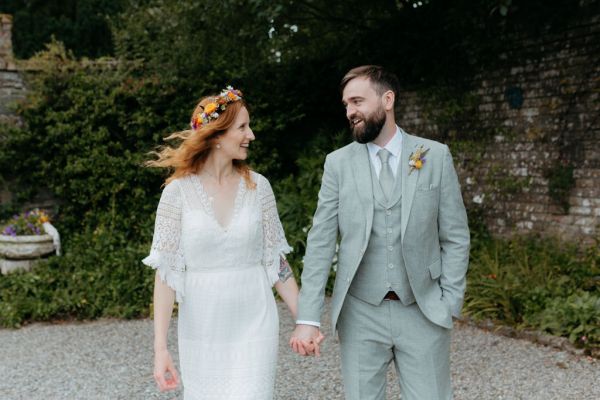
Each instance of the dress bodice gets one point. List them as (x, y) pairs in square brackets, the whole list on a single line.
[(187, 237), (208, 245)]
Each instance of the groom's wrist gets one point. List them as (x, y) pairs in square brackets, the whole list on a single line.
[(313, 323)]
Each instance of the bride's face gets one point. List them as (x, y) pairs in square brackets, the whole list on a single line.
[(236, 139)]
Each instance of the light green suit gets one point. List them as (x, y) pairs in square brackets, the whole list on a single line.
[(435, 250)]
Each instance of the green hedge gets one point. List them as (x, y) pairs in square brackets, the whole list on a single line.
[(100, 275)]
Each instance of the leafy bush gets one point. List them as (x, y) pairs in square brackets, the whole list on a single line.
[(531, 282), (89, 127), (297, 197), (576, 317), (99, 276)]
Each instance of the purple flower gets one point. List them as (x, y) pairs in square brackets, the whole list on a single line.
[(10, 230)]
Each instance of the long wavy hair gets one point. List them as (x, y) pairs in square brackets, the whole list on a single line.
[(192, 147)]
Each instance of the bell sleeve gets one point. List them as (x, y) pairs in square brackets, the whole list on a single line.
[(166, 254), (275, 246)]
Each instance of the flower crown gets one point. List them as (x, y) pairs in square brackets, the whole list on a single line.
[(212, 109)]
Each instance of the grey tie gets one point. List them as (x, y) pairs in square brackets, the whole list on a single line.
[(386, 177)]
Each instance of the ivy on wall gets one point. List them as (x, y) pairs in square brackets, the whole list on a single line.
[(560, 182)]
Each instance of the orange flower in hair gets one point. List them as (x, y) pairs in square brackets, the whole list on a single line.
[(211, 110)]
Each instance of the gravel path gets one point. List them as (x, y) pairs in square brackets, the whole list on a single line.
[(111, 359)]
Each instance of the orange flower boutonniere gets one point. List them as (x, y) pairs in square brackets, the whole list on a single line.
[(417, 159)]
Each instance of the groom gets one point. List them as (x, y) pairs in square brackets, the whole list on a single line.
[(394, 202)]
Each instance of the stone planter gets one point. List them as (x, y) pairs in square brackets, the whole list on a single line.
[(21, 252)]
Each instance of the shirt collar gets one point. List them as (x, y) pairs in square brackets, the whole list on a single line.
[(393, 146)]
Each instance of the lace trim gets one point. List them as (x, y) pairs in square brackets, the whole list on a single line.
[(272, 266), (207, 203), (170, 269), (166, 254), (275, 244)]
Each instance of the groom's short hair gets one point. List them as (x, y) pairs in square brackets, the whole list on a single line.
[(382, 80)]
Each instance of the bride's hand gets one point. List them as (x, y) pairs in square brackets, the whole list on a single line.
[(165, 373)]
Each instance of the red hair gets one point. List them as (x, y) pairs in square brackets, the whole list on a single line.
[(189, 156)]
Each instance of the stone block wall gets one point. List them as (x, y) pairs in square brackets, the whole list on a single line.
[(527, 140), (12, 87)]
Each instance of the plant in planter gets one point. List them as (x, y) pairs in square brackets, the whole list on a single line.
[(25, 238)]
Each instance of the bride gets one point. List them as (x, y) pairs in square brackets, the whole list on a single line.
[(218, 248)]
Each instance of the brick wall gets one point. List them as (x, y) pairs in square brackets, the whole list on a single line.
[(522, 127)]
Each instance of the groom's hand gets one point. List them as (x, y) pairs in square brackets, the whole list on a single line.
[(305, 340)]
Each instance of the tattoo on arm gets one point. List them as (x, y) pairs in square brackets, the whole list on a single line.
[(285, 271)]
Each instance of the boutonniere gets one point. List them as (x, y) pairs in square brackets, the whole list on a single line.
[(417, 159)]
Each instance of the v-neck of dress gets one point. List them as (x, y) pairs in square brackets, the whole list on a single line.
[(207, 203)]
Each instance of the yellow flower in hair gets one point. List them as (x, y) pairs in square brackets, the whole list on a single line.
[(231, 95), (210, 108)]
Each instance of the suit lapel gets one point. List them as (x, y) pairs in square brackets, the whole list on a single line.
[(409, 181), (361, 169)]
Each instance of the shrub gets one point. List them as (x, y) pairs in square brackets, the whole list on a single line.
[(100, 275), (297, 197), (576, 317), (530, 282), (88, 129)]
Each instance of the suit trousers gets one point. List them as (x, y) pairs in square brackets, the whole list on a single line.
[(371, 337)]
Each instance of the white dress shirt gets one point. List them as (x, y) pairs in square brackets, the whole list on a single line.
[(394, 146)]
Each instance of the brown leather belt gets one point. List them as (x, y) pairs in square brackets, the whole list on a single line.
[(391, 296)]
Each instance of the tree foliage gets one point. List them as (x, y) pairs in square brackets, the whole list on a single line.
[(81, 24)]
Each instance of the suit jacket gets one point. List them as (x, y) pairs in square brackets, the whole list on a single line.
[(435, 234)]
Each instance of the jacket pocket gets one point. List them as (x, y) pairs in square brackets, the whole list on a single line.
[(427, 188), (435, 269)]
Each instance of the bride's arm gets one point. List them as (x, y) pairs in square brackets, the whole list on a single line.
[(287, 288), (165, 373)]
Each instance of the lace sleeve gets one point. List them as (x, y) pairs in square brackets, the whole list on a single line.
[(166, 254), (275, 246)]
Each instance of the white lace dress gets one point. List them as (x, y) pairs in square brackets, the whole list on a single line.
[(228, 326)]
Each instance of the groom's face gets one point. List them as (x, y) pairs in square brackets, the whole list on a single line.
[(364, 110)]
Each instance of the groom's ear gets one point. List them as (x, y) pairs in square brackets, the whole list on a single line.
[(388, 100)]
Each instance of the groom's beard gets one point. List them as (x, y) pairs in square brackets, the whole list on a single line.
[(370, 129)]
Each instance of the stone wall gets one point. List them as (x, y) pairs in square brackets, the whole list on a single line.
[(526, 135), (12, 87)]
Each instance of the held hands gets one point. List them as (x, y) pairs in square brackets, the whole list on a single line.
[(306, 339), (165, 373)]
